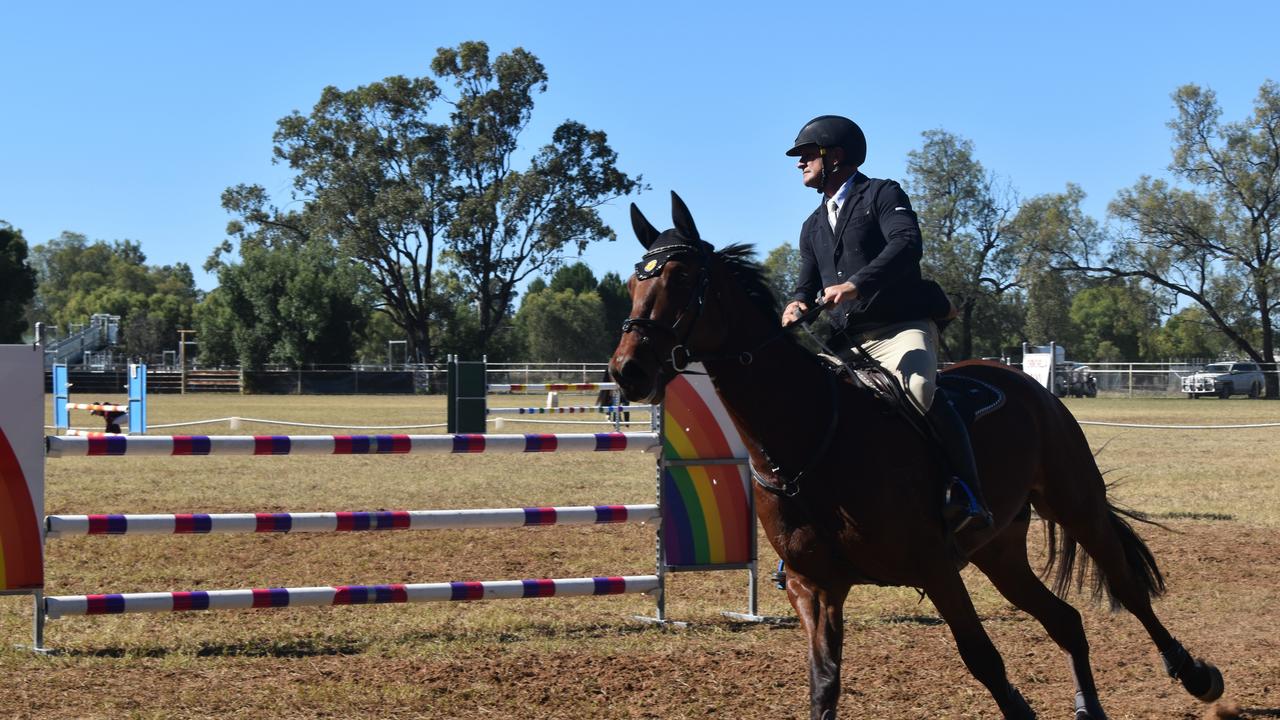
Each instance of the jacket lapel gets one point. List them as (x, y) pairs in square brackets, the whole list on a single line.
[(851, 204), (860, 184)]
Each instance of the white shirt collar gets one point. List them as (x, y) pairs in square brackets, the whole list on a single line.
[(843, 193)]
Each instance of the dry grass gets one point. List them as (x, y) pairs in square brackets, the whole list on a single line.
[(1189, 473), (582, 657)]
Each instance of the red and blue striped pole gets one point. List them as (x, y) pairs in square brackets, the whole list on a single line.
[(117, 603), (185, 445), (201, 523)]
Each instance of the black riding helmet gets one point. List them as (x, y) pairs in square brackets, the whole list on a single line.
[(833, 131)]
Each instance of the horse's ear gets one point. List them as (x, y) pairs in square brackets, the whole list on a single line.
[(645, 232), (682, 218)]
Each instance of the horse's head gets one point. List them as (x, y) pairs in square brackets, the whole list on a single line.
[(671, 320)]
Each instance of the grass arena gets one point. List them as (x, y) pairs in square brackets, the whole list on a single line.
[(574, 657)]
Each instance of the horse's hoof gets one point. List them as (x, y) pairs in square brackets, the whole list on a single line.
[(1215, 684), (1203, 681), (1019, 709)]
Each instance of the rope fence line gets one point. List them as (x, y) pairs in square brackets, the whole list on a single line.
[(1178, 427)]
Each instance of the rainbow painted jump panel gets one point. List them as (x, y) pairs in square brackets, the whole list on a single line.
[(200, 524), (189, 445), (116, 603)]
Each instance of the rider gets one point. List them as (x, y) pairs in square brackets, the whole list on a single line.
[(860, 254)]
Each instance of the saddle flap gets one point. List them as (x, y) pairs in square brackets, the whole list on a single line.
[(972, 399)]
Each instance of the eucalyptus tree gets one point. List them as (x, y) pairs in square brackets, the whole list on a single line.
[(409, 172), (1212, 234), (964, 213)]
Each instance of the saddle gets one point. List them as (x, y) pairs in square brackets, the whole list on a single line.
[(972, 399)]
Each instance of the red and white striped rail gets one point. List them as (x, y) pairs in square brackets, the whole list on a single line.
[(77, 432), (550, 387), (571, 409), (110, 604), (200, 523), (187, 445), (103, 407)]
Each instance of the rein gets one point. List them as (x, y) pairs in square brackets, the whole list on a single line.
[(790, 486)]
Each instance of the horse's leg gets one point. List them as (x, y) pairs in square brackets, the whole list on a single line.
[(1125, 562), (949, 596), (821, 613), (1004, 561)]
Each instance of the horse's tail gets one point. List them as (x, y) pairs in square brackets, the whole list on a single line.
[(1073, 568)]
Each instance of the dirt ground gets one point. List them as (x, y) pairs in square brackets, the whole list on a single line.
[(1221, 604)]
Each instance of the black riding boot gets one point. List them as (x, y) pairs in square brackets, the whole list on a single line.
[(964, 505)]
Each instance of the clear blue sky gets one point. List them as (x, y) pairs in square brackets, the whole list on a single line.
[(127, 120)]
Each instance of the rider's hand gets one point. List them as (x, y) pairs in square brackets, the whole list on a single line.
[(836, 294), (794, 310)]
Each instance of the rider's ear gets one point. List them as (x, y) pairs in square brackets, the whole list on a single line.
[(645, 232), (682, 218)]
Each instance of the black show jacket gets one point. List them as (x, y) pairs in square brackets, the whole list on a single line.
[(877, 245)]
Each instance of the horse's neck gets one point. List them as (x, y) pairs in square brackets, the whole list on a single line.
[(781, 402)]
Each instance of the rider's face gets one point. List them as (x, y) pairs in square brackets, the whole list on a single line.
[(810, 165)]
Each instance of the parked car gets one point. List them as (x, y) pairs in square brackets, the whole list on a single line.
[(1225, 379)]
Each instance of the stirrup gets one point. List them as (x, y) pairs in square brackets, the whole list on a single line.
[(779, 577), (964, 512)]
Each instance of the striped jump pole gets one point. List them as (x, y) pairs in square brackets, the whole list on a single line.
[(702, 515), (572, 409), (188, 445), (517, 388), (77, 432), (101, 407), (57, 526), (57, 606)]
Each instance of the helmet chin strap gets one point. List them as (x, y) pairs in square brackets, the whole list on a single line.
[(835, 168)]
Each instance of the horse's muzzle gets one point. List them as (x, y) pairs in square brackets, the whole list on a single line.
[(636, 381)]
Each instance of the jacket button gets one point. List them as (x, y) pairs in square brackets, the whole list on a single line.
[(840, 273)]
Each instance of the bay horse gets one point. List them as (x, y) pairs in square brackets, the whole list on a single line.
[(850, 494)]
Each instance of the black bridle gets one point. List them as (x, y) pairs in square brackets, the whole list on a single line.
[(693, 309), (681, 356)]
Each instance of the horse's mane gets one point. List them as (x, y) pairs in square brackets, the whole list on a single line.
[(739, 259)]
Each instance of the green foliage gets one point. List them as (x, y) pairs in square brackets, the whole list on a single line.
[(289, 300), (1189, 335), (576, 277), (964, 212), (79, 278), (17, 284), (564, 326), (396, 190), (1115, 321), (617, 306), (782, 268)]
